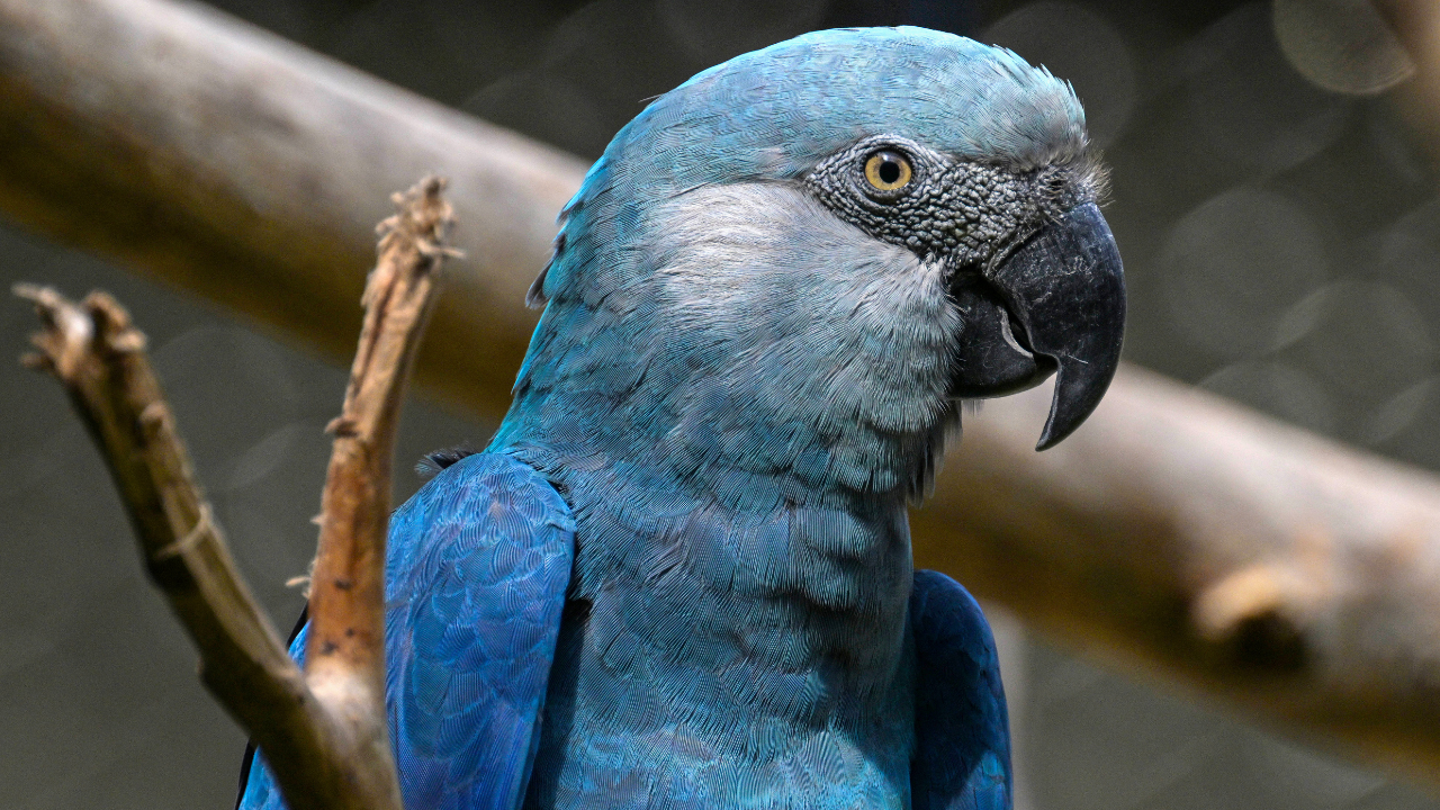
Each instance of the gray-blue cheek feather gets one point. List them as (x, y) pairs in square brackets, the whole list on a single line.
[(826, 350)]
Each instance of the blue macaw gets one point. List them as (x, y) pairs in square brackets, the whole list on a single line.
[(680, 575)]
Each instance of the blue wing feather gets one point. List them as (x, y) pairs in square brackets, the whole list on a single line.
[(962, 727), (477, 568)]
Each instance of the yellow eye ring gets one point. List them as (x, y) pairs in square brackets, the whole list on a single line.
[(888, 170)]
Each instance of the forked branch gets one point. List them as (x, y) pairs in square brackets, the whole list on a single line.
[(323, 731)]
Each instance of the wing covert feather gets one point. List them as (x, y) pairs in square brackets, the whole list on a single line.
[(962, 726), (478, 563)]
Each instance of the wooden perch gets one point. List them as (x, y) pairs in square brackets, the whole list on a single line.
[(1174, 532), (324, 731)]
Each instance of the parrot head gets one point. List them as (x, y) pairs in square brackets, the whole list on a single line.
[(855, 227)]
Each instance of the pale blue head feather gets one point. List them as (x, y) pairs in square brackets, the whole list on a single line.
[(776, 112)]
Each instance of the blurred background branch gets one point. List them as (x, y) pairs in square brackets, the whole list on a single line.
[(1269, 215), (232, 163)]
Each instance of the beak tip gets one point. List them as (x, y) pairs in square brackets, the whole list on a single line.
[(1078, 391), (1050, 437)]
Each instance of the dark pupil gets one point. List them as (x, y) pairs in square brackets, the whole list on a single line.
[(889, 170)]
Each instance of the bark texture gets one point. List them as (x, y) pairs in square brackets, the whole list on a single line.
[(324, 731)]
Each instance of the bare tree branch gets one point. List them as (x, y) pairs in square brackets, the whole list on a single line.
[(1174, 532), (345, 648), (98, 356), (323, 731)]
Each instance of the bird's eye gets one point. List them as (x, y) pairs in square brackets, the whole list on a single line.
[(888, 170)]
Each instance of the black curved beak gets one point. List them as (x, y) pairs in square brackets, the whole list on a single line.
[(1056, 303)]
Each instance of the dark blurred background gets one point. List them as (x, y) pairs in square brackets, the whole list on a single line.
[(1280, 229)]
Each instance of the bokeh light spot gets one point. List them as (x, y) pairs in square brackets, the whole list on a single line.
[(1341, 45), (1082, 47), (1370, 341), (1277, 389), (1246, 105), (1235, 265)]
